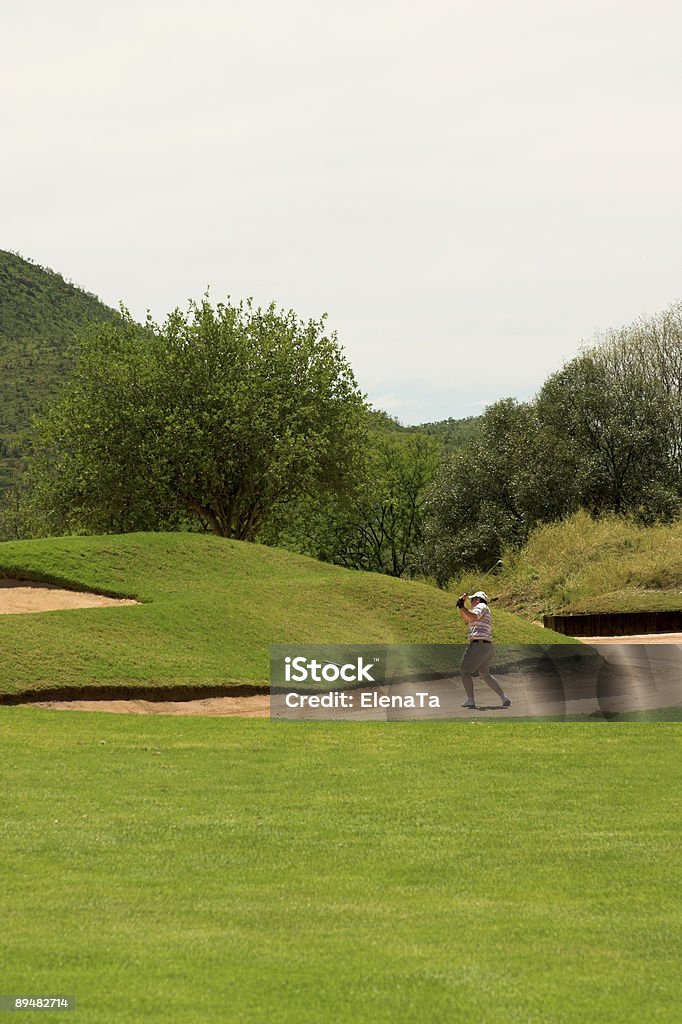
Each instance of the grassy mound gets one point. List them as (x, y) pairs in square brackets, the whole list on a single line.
[(210, 610), (588, 565)]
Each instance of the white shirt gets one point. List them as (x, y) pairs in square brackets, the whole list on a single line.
[(482, 629)]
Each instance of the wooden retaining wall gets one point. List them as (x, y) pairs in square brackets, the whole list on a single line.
[(615, 623)]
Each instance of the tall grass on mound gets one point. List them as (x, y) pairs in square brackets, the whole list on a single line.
[(210, 610), (206, 871), (594, 565)]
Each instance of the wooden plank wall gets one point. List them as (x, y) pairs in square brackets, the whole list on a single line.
[(615, 623)]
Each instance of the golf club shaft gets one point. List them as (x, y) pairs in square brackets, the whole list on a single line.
[(492, 567)]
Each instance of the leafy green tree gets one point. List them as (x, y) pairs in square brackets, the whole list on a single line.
[(604, 433), (378, 525), (220, 415), (648, 355), (615, 425), (489, 495)]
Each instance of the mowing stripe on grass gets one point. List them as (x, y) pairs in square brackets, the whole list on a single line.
[(211, 870)]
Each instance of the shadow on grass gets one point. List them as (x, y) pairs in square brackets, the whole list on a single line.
[(652, 715)]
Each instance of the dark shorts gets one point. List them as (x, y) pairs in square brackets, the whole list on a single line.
[(477, 659)]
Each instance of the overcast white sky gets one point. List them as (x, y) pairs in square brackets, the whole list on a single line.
[(469, 189)]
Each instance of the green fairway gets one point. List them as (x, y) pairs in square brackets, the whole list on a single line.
[(211, 608), (213, 870)]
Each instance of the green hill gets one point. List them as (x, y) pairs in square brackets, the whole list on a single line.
[(40, 315), (210, 609), (592, 565), (450, 433)]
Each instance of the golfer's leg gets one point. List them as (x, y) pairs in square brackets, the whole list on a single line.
[(465, 669), (492, 682), (489, 678)]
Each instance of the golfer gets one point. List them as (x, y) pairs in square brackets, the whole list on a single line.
[(479, 654)]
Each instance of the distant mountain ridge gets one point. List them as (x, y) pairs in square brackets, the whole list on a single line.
[(40, 316), (451, 433)]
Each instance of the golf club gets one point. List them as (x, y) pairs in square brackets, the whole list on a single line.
[(492, 568)]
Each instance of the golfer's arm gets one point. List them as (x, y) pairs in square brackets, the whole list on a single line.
[(467, 615)]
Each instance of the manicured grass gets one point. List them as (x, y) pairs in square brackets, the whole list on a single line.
[(588, 565), (224, 870), (211, 609)]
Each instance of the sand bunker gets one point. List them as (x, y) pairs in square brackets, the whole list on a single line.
[(633, 676), (635, 695), (21, 597), (666, 692), (228, 707)]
